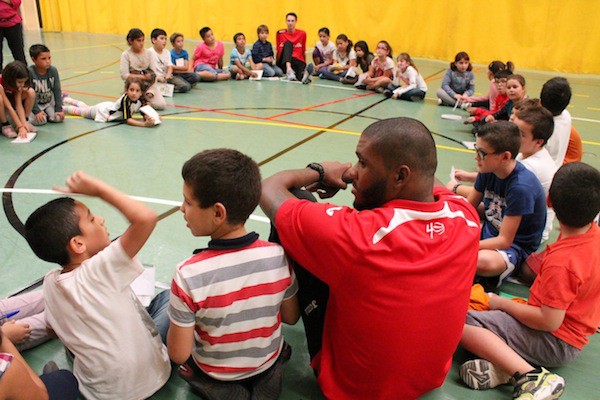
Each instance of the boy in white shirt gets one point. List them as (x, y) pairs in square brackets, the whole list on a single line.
[(555, 97), (164, 65), (89, 303)]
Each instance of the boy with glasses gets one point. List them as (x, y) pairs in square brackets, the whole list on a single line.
[(514, 204)]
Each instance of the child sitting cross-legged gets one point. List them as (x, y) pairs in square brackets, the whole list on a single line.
[(515, 342)]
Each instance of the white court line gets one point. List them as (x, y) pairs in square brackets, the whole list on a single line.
[(138, 198), (585, 119)]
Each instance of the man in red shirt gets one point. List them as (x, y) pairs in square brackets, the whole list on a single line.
[(291, 46), (399, 265)]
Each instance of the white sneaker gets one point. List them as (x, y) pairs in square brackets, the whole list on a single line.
[(481, 374), (310, 68), (9, 131), (439, 102), (465, 106), (290, 76)]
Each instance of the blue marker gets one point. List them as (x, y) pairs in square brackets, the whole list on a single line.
[(10, 314)]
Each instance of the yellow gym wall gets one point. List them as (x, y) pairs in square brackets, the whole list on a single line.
[(553, 35)]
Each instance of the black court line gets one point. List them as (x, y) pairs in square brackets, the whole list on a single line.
[(18, 225)]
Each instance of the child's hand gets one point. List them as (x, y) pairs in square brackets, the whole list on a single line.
[(253, 74), (149, 121), (496, 301), (41, 117), (458, 97), (161, 79), (59, 116), (462, 175), (395, 96), (490, 118), (16, 333), (82, 183), (23, 131)]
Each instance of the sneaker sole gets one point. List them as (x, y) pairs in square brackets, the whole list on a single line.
[(482, 375)]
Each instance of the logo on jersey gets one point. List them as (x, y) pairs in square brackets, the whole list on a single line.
[(435, 228)]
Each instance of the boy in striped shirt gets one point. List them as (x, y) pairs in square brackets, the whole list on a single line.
[(229, 299)]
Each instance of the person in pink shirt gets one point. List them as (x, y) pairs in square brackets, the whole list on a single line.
[(207, 60)]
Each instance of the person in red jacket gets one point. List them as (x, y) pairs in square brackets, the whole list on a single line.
[(291, 46)]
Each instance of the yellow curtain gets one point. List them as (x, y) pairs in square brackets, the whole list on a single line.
[(548, 35)]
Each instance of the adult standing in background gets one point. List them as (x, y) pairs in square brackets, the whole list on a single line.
[(11, 28)]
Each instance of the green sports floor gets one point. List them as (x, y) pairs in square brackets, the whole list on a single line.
[(280, 124)]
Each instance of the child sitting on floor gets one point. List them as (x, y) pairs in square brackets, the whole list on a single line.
[(562, 311)]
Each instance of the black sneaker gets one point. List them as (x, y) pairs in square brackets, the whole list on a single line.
[(361, 87), (387, 93)]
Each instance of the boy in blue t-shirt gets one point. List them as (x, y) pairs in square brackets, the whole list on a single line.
[(181, 60), (240, 59), (514, 202)]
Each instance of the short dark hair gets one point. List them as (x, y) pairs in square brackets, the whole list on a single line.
[(575, 194), (174, 37), (556, 95), (237, 35), (134, 33), (262, 28), (504, 73), (157, 32), (501, 136), (225, 176), (204, 31), (49, 229), (540, 119), (404, 141), (293, 14), (325, 30), (36, 49)]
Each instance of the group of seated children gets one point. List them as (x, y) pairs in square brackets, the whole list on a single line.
[(221, 322)]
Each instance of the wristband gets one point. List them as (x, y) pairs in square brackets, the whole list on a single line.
[(319, 168), (456, 187)]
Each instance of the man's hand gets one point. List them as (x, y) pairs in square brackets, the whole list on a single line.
[(335, 178)]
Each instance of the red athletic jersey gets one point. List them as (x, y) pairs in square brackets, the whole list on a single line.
[(400, 278), (298, 38)]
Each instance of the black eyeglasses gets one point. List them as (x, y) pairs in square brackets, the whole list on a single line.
[(481, 153)]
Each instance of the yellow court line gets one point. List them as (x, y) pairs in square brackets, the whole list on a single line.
[(107, 72), (581, 95), (593, 108), (592, 143)]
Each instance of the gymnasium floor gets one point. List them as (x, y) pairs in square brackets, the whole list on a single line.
[(280, 124)]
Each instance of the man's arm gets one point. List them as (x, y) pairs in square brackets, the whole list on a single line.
[(142, 218), (276, 189), (542, 318), (506, 236), (180, 342)]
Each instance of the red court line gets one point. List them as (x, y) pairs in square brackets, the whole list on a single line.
[(356, 96), (200, 109), (244, 115)]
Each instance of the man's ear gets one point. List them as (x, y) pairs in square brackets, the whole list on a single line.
[(402, 174), (76, 245)]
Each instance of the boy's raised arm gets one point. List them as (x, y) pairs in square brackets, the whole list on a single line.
[(142, 218)]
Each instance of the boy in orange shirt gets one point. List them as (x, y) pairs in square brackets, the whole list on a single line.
[(552, 328)]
